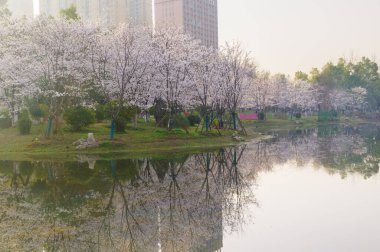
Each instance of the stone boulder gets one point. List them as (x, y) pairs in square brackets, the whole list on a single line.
[(88, 143)]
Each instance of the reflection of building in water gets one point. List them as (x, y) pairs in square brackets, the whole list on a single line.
[(215, 240), (125, 205), (187, 218), (178, 204)]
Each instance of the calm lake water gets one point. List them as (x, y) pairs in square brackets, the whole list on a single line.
[(305, 190)]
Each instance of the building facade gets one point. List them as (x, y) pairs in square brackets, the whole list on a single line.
[(141, 12), (110, 12), (199, 18), (21, 8)]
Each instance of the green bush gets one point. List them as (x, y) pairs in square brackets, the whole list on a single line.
[(216, 124), (101, 113), (5, 120), (180, 121), (79, 117), (24, 123), (131, 111), (177, 121), (298, 115), (325, 116), (194, 119), (261, 116), (37, 110), (152, 110), (121, 125)]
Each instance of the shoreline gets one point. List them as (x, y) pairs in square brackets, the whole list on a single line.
[(144, 141)]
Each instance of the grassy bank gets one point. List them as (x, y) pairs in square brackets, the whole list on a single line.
[(146, 139), (135, 142)]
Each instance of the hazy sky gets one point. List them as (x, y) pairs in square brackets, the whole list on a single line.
[(290, 35)]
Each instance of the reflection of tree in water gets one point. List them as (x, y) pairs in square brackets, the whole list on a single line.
[(176, 204), (337, 149)]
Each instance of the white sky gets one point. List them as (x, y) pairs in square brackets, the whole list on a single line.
[(290, 35)]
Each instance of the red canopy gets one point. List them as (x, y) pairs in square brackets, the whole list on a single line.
[(249, 117)]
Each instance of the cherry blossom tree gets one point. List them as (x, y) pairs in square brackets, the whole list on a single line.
[(237, 73), (175, 56), (14, 84), (303, 97), (57, 49), (359, 95), (262, 91), (206, 79), (121, 68)]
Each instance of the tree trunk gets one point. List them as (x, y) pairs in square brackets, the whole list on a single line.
[(58, 124), (207, 123), (135, 121), (113, 129), (49, 126), (14, 118), (147, 115), (234, 120)]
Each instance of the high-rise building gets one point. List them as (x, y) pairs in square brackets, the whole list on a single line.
[(21, 8), (199, 18), (111, 12), (140, 12)]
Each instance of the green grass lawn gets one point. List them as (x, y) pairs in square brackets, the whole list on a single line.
[(146, 139)]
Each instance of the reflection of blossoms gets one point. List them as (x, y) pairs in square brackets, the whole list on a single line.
[(177, 204), (335, 149), (174, 204)]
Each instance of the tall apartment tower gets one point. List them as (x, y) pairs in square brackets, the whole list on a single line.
[(110, 12), (140, 12), (21, 8), (199, 18)]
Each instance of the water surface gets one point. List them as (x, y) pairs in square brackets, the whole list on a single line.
[(304, 190)]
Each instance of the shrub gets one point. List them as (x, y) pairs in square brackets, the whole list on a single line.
[(79, 117), (177, 121), (121, 124), (5, 120), (298, 115), (334, 115), (261, 116), (38, 111), (152, 110), (163, 122), (180, 121), (324, 116), (24, 123), (126, 111), (131, 111), (101, 113), (194, 119), (216, 124)]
